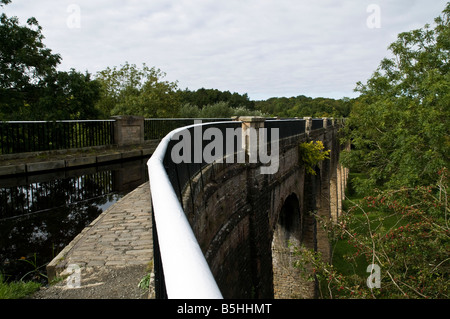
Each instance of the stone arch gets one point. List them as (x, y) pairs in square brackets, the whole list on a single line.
[(289, 225), (288, 232)]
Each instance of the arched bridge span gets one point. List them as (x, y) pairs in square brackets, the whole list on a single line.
[(226, 227)]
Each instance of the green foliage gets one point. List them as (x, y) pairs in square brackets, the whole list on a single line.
[(144, 283), (142, 91), (68, 95), (36, 273), (212, 103), (399, 131), (204, 97), (217, 110), (399, 126), (17, 290), (302, 106), (146, 280), (130, 90), (30, 86), (311, 154), (24, 63), (404, 231), (21, 289)]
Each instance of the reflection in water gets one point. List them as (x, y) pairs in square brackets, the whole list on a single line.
[(41, 214)]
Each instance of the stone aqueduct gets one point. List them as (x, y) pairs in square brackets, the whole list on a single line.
[(244, 221)]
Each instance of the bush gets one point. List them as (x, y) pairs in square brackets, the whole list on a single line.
[(405, 232), (311, 154)]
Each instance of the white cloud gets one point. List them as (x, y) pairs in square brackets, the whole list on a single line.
[(260, 47)]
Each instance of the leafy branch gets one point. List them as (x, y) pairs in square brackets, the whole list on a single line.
[(311, 154)]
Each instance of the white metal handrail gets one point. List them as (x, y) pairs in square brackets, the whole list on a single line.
[(186, 271)]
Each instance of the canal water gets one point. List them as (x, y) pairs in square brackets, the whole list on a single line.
[(41, 214)]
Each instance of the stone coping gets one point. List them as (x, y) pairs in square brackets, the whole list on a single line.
[(29, 163)]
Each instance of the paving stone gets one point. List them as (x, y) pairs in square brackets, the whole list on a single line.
[(139, 252), (120, 236), (136, 262), (143, 242), (97, 263), (115, 263)]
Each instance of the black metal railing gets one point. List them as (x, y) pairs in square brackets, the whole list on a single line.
[(316, 124), (36, 136), (286, 128), (180, 174), (157, 128)]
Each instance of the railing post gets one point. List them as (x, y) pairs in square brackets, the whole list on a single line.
[(128, 130), (308, 125), (250, 135)]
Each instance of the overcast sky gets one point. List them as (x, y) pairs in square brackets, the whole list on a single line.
[(265, 48)]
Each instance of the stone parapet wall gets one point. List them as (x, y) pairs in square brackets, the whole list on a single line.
[(239, 218)]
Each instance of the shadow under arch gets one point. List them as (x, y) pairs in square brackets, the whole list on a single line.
[(286, 235), (288, 229)]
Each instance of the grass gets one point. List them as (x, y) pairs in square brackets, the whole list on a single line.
[(17, 289), (394, 228), (341, 247), (21, 288), (379, 221)]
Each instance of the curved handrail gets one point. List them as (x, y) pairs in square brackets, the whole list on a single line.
[(186, 271)]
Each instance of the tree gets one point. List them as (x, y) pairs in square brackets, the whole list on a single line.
[(31, 88), (133, 91), (399, 126), (25, 62), (216, 110), (400, 136), (203, 97), (301, 106), (405, 233), (69, 95)]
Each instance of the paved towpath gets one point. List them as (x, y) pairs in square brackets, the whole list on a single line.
[(114, 253)]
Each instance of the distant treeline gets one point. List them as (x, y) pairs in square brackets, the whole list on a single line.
[(302, 106), (214, 103)]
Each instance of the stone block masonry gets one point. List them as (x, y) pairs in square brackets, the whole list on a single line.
[(128, 130)]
